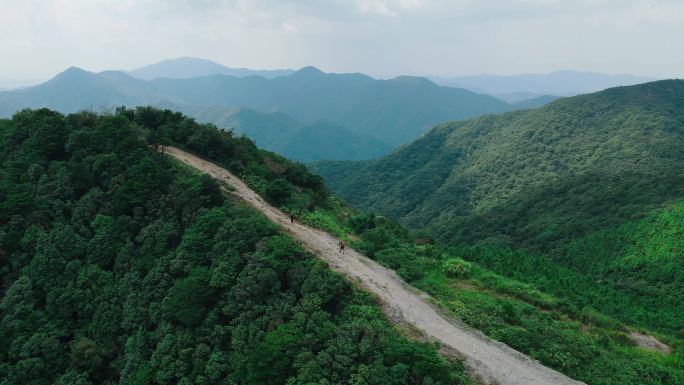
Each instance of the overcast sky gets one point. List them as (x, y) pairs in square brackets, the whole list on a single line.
[(39, 38)]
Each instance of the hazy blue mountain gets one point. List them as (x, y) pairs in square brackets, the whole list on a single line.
[(281, 133), (536, 102), (393, 111), (76, 89), (190, 67), (515, 97), (555, 83)]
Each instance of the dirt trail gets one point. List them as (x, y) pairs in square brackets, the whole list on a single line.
[(491, 361)]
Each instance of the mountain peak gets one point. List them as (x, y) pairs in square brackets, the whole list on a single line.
[(72, 73), (309, 70), (73, 70), (189, 67), (412, 80)]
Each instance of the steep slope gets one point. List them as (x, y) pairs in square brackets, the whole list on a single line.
[(392, 111), (496, 363), (120, 266), (190, 67), (543, 194), (597, 350), (533, 177)]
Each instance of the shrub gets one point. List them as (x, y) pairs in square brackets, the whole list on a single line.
[(278, 191), (188, 299), (457, 268)]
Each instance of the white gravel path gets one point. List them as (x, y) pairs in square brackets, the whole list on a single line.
[(491, 361)]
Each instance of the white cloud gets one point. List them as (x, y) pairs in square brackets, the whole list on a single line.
[(383, 37)]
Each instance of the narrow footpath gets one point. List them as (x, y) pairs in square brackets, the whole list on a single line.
[(491, 361)]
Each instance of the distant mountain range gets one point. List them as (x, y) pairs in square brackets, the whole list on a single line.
[(190, 67), (393, 111), (324, 115), (560, 83)]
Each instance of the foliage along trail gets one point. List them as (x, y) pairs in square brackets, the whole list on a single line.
[(489, 360)]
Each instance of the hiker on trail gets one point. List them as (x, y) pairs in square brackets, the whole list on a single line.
[(342, 246), (291, 218)]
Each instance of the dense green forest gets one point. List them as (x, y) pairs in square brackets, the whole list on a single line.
[(558, 182), (552, 319), (118, 265), (578, 204), (532, 178)]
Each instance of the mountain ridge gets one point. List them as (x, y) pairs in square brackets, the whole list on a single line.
[(497, 147), (189, 67), (392, 111)]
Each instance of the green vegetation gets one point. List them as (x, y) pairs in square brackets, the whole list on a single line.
[(570, 217), (576, 340), (543, 193), (118, 265), (535, 178), (634, 272), (121, 265)]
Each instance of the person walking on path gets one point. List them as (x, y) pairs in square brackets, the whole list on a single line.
[(342, 246), (291, 218)]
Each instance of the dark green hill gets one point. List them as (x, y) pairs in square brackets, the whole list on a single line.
[(534, 178), (118, 265), (581, 197)]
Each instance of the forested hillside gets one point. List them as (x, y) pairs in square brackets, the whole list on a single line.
[(117, 265), (535, 178), (580, 198)]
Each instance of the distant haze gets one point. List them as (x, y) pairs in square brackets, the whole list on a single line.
[(562, 83), (383, 38)]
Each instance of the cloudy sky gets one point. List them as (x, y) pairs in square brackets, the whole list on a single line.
[(39, 38)]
